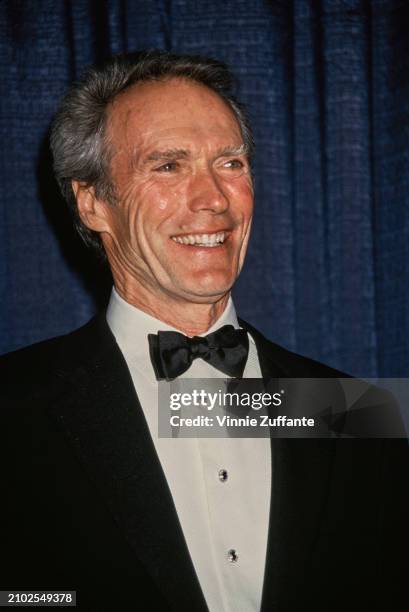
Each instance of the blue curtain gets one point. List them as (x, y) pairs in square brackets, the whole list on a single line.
[(326, 84)]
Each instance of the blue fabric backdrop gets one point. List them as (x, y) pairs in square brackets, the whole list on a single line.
[(327, 87)]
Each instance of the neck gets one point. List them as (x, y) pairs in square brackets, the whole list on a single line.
[(191, 318)]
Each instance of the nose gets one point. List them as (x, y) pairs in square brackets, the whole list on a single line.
[(206, 193)]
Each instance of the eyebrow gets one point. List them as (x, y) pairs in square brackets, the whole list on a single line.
[(233, 150), (174, 154), (168, 154)]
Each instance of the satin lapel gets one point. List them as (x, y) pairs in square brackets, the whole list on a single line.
[(301, 470), (101, 415)]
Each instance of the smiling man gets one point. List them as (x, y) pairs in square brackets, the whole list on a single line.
[(152, 154), (177, 237)]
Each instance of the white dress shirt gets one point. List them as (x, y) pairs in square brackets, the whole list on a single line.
[(220, 486)]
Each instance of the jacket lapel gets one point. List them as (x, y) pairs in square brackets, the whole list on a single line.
[(301, 471), (101, 415)]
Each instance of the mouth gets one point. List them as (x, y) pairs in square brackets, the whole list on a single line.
[(210, 240)]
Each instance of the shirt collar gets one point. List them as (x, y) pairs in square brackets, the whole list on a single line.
[(131, 327)]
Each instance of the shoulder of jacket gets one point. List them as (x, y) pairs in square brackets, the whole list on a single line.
[(33, 366), (293, 364)]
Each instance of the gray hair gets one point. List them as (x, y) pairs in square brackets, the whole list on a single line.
[(78, 143)]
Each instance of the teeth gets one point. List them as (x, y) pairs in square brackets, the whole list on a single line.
[(207, 240)]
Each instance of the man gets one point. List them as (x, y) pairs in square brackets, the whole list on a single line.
[(153, 156)]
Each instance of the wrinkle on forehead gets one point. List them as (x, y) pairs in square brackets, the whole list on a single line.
[(143, 96)]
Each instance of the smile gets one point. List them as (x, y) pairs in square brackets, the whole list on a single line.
[(203, 240)]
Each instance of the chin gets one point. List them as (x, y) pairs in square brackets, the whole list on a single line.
[(209, 286)]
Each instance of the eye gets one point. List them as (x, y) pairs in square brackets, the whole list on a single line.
[(232, 168), (168, 167), (234, 164)]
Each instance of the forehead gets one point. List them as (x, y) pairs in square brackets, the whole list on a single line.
[(174, 109)]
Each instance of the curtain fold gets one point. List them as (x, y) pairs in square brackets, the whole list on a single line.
[(326, 84)]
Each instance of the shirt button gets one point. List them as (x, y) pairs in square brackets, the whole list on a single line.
[(232, 556), (223, 475)]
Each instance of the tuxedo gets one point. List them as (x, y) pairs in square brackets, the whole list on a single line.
[(86, 506)]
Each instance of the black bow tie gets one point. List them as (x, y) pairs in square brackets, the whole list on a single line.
[(225, 349)]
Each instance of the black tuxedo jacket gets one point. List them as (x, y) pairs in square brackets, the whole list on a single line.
[(86, 507)]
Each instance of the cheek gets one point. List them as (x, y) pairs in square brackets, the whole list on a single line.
[(248, 200), (144, 206), (240, 185), (160, 206), (241, 196)]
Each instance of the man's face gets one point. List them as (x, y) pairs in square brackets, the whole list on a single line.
[(184, 192)]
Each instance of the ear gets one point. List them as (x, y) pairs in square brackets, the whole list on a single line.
[(93, 212)]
